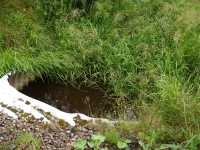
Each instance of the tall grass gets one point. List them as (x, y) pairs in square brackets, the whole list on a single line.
[(146, 53)]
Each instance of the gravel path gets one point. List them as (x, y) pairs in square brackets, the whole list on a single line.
[(55, 136)]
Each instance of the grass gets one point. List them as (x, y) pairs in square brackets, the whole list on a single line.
[(146, 53), (24, 140)]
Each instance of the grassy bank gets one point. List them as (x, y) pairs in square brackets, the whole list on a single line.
[(147, 53)]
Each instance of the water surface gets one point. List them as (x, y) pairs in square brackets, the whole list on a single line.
[(89, 101)]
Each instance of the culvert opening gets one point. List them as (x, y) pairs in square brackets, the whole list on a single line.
[(91, 101)]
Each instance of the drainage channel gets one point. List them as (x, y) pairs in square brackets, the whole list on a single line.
[(87, 100)]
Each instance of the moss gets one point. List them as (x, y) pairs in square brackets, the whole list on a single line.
[(80, 121), (62, 123)]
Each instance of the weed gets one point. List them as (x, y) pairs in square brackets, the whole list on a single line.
[(97, 142), (24, 140), (80, 144), (112, 136), (27, 140)]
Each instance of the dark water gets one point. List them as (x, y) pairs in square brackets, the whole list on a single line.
[(90, 101)]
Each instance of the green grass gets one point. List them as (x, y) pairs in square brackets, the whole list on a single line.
[(24, 140), (147, 53)]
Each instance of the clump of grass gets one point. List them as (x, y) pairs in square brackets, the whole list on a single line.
[(174, 117), (28, 141), (24, 140), (179, 109)]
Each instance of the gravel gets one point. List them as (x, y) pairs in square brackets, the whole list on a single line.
[(55, 136)]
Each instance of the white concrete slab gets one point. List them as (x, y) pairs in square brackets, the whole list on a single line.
[(11, 97)]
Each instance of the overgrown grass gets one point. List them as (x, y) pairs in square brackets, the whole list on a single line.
[(147, 53)]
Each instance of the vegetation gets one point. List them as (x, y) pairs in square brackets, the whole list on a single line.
[(144, 52), (98, 141), (24, 140), (27, 141)]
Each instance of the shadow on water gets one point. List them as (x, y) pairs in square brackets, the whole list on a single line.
[(87, 100)]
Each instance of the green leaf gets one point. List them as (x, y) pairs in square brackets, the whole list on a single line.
[(96, 141), (144, 146), (91, 144), (122, 145), (99, 138), (80, 144), (127, 141)]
